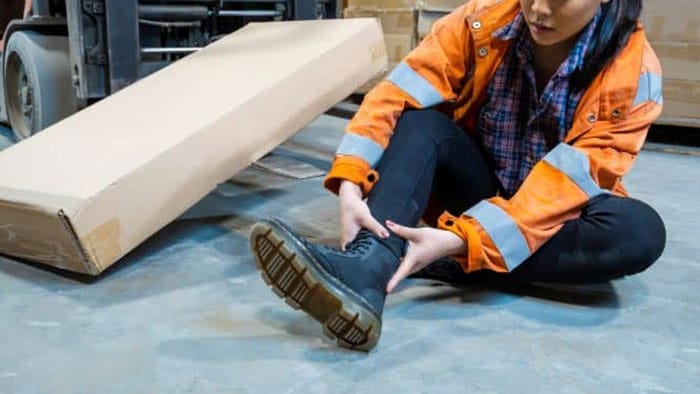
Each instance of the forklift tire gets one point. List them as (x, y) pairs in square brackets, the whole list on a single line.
[(38, 90)]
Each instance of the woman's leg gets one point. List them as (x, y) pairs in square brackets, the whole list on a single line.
[(345, 289), (612, 238), (428, 153)]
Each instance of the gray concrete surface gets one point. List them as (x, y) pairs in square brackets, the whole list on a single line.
[(187, 312)]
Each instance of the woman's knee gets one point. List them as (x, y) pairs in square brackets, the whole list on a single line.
[(429, 125), (638, 234), (651, 232)]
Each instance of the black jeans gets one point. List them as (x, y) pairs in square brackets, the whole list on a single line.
[(429, 155)]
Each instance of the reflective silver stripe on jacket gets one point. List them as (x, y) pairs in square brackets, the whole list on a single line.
[(364, 147), (576, 166), (415, 85), (503, 232), (650, 89)]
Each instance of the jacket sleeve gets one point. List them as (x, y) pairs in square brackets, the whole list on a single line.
[(431, 74), (501, 233)]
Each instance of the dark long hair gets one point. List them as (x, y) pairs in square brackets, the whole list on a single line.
[(617, 22)]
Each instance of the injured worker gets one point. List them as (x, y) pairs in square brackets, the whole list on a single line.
[(507, 131)]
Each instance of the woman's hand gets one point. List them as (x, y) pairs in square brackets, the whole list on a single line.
[(425, 245), (355, 214)]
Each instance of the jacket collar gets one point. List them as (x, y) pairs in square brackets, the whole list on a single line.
[(613, 89)]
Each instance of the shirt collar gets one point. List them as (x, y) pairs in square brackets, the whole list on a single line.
[(578, 52), (512, 29)]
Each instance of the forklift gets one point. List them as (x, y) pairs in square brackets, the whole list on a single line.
[(59, 56)]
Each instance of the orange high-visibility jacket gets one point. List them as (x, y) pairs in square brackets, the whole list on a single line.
[(450, 70)]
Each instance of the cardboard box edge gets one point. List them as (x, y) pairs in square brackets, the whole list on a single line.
[(80, 261)]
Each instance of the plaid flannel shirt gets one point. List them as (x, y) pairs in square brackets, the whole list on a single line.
[(516, 127)]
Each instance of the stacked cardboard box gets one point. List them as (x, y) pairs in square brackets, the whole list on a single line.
[(398, 24), (405, 23), (429, 11), (673, 27)]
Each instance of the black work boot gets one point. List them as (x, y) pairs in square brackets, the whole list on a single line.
[(447, 270), (344, 291)]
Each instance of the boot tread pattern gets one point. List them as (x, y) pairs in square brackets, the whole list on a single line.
[(298, 286)]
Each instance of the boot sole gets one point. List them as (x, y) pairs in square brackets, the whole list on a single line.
[(290, 270)]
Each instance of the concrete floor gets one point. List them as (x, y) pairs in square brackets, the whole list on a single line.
[(187, 311)]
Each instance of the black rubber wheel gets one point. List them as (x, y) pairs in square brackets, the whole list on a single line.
[(38, 89)]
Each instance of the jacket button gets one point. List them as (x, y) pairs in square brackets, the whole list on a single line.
[(476, 25), (483, 52), (591, 118), (616, 113)]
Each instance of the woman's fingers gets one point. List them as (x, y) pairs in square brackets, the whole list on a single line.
[(348, 233), (405, 269), (417, 253), (407, 233), (407, 263), (357, 220), (371, 224)]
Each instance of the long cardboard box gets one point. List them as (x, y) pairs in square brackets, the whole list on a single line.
[(86, 191), (397, 47), (399, 27)]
